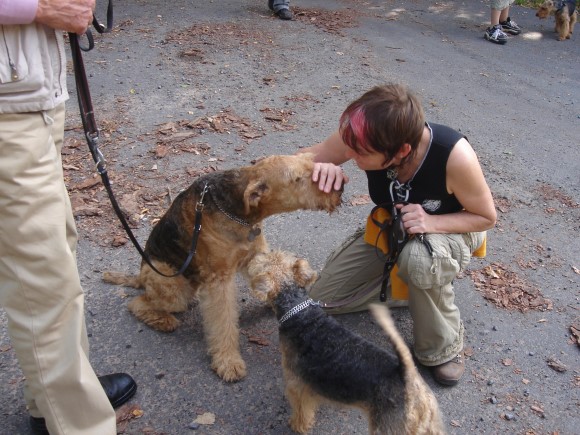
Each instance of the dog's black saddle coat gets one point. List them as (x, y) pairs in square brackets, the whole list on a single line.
[(334, 361)]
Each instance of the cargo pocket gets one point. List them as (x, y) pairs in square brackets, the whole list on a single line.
[(423, 270), (21, 66)]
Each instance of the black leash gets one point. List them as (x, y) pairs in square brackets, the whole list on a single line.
[(92, 137)]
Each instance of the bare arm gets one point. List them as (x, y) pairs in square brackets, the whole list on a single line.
[(69, 15), (466, 181), (328, 154)]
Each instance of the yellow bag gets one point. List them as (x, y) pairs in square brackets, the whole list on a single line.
[(374, 236)]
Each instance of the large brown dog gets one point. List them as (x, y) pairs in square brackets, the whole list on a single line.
[(324, 362), (234, 206)]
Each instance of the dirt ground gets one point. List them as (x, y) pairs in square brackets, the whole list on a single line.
[(182, 88)]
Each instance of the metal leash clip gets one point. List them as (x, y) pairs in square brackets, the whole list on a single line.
[(199, 205)]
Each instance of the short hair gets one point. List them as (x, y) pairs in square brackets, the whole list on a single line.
[(383, 120)]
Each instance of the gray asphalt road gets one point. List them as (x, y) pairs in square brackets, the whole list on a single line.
[(519, 105)]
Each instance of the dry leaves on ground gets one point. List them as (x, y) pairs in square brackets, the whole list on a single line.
[(327, 20), (363, 199), (550, 193), (505, 289), (125, 414), (557, 365), (279, 117), (575, 330), (175, 136)]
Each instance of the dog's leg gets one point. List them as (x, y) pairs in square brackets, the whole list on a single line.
[(162, 297), (561, 25), (219, 309), (565, 29), (303, 402), (573, 20)]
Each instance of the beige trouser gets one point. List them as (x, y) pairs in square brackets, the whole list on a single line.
[(40, 288), (437, 327)]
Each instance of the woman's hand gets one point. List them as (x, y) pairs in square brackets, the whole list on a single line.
[(328, 176), (73, 16), (415, 218)]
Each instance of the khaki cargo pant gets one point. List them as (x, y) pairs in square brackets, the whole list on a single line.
[(437, 327), (40, 288)]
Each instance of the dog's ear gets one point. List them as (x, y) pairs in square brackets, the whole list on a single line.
[(261, 287), (303, 273), (253, 194)]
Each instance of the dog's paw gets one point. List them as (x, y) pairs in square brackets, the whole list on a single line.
[(164, 323), (156, 319), (299, 424), (231, 370)]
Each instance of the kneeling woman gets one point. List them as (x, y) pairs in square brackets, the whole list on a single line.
[(431, 175)]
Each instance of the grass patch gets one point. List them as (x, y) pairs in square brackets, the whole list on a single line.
[(533, 3)]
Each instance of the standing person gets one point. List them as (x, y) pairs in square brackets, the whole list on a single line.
[(281, 8), (501, 23), (40, 288), (434, 176)]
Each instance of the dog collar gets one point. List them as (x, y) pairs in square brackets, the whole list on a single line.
[(255, 230), (296, 309)]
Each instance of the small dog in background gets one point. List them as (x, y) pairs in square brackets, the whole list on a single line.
[(324, 362), (565, 13)]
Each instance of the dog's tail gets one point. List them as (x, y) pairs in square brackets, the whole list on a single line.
[(122, 279), (384, 319)]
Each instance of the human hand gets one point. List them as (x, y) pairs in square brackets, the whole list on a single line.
[(415, 218), (328, 176), (70, 15)]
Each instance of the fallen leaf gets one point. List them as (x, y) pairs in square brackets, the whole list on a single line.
[(126, 413), (258, 340), (557, 365), (206, 418), (86, 184), (363, 199)]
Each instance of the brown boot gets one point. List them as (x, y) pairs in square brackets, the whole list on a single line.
[(450, 372)]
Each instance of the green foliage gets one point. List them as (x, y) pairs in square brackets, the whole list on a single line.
[(532, 3)]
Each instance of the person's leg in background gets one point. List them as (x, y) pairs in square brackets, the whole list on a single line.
[(281, 8)]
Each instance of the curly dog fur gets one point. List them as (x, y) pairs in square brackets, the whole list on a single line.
[(233, 209), (565, 13), (323, 361)]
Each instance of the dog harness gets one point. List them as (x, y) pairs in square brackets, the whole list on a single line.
[(296, 309)]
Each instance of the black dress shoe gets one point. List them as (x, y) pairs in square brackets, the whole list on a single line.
[(38, 426), (284, 14), (119, 387)]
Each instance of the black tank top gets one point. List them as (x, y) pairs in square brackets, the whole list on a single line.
[(428, 187)]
